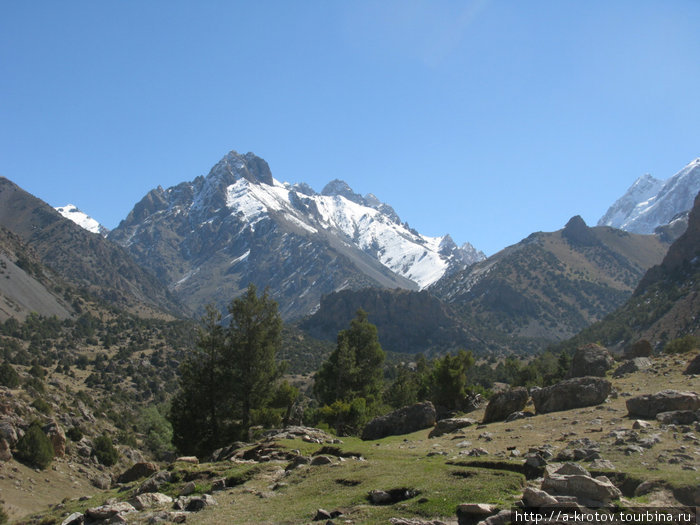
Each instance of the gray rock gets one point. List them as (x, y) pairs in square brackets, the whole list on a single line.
[(150, 500), (155, 482), (632, 365), (533, 497), (137, 471), (449, 425), (473, 513), (649, 405), (321, 460), (110, 511), (74, 519), (403, 421), (641, 348), (693, 366), (571, 393), (582, 487), (591, 360), (503, 404), (678, 417)]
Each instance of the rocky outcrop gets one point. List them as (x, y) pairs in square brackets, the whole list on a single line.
[(137, 471), (57, 437), (571, 393), (648, 406), (574, 480), (505, 403), (403, 421), (591, 360)]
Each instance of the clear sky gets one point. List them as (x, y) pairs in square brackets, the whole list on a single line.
[(484, 119)]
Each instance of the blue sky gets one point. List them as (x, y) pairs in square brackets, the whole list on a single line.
[(484, 119)]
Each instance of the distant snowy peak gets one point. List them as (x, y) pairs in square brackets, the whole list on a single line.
[(70, 211), (244, 186), (650, 203)]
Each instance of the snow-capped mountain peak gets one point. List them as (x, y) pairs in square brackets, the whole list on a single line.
[(70, 211), (650, 202)]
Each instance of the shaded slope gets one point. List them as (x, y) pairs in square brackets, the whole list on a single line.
[(666, 302), (550, 285), (82, 258)]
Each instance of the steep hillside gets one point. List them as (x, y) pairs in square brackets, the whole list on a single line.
[(26, 285), (550, 285), (408, 322), (666, 302), (84, 259), (211, 237)]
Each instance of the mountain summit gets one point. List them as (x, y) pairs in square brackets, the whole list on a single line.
[(650, 203), (212, 236)]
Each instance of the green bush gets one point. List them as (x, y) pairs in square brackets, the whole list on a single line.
[(345, 418), (104, 450), (8, 376), (681, 345), (35, 448), (74, 434), (42, 406)]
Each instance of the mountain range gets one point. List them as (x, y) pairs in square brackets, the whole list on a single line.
[(208, 238)]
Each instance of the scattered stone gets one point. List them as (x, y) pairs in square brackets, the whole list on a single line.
[(167, 517), (473, 513), (388, 497), (602, 464), (571, 393), (403, 421), (640, 424), (321, 460), (678, 417), (109, 511), (565, 469), (632, 365), (188, 459), (583, 487), (503, 404), (449, 425), (150, 500), (533, 497), (591, 360), (693, 366), (519, 415), (476, 452), (194, 503), (322, 514), (188, 488), (649, 405), (74, 519), (298, 461), (101, 481), (155, 482), (137, 471), (218, 484)]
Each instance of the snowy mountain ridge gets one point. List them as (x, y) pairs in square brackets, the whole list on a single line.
[(239, 224), (650, 203), (82, 219)]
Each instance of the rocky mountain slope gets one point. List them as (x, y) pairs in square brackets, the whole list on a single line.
[(666, 302), (650, 203), (211, 237), (26, 285), (82, 258), (550, 285)]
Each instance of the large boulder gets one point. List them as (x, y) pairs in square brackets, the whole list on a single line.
[(505, 403), (136, 471), (647, 406), (632, 365), (591, 360), (693, 366), (571, 393), (57, 437), (449, 425), (402, 421)]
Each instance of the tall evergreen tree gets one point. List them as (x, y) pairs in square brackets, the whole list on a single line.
[(354, 369), (230, 377)]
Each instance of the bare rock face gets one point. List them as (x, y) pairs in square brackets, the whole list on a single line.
[(58, 438), (571, 393), (647, 406), (505, 403), (591, 360), (402, 421)]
